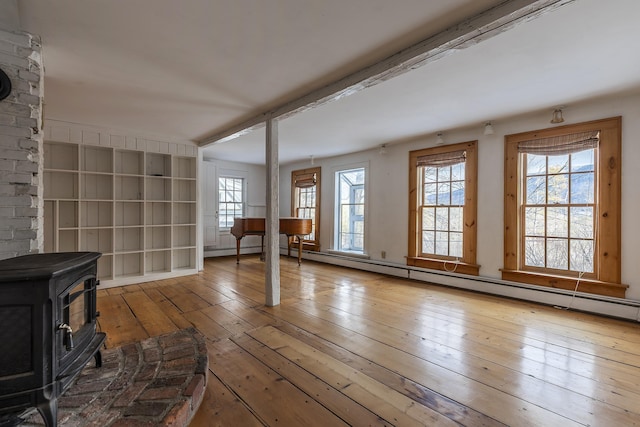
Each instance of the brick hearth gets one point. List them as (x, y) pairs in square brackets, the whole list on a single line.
[(157, 382)]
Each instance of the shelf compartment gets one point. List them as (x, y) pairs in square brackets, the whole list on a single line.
[(184, 167), (158, 213), (96, 240), (67, 241), (184, 213), (184, 190), (129, 239), (158, 238), (157, 261), (129, 162), (125, 265), (50, 220), (105, 267), (97, 186), (184, 236), (96, 214), (67, 214), (158, 164), (97, 159), (129, 213), (60, 185), (60, 156), (158, 188), (184, 259), (129, 188)]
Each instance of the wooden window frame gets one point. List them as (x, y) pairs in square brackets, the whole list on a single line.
[(312, 245), (607, 277), (466, 264)]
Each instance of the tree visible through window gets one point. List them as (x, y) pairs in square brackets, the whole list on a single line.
[(559, 211), (350, 200), (442, 207), (305, 202), (562, 207), (230, 200)]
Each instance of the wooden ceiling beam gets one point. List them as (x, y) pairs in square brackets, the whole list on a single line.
[(469, 32)]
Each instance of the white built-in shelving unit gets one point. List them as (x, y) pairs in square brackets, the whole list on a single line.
[(137, 208)]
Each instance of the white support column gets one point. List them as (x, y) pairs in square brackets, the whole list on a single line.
[(272, 226)]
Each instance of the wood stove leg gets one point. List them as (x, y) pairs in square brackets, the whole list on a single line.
[(98, 358), (49, 412)]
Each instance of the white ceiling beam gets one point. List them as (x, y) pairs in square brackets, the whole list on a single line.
[(467, 33)]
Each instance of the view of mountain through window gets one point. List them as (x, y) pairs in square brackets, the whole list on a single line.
[(442, 209), (559, 211)]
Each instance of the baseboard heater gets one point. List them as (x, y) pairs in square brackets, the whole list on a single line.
[(598, 304)]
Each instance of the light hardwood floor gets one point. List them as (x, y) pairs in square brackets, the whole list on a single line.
[(347, 347)]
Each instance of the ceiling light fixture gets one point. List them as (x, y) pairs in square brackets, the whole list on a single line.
[(439, 139), (557, 116), (311, 157), (488, 128), (383, 149)]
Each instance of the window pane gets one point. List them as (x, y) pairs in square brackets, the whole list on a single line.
[(582, 190), (534, 252), (428, 218), (558, 189), (442, 219), (558, 254), (430, 174), (455, 244), (455, 219), (581, 222), (582, 255), (582, 161), (534, 221), (444, 173), (428, 242), (457, 172), (444, 193), (557, 222), (536, 165), (430, 194), (536, 190), (457, 193), (442, 243), (558, 164)]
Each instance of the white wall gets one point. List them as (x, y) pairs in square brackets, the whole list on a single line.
[(388, 180)]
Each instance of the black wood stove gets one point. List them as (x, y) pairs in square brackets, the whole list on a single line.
[(47, 329)]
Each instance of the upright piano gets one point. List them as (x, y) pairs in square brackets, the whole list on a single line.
[(292, 227)]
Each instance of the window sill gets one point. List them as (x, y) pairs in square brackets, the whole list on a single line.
[(569, 283), (445, 265)]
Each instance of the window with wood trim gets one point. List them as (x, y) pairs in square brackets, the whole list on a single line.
[(443, 208), (305, 202), (562, 207)]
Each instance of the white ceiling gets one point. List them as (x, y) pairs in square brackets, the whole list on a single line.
[(188, 69)]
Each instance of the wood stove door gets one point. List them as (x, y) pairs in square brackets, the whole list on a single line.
[(75, 324)]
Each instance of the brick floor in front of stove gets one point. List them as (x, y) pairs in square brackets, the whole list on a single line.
[(157, 382)]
